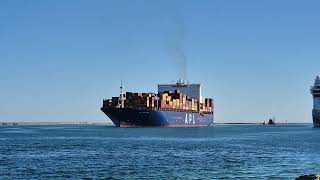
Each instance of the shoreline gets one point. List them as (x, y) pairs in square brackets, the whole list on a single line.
[(111, 124), (51, 123)]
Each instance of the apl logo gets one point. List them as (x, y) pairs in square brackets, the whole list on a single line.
[(189, 119)]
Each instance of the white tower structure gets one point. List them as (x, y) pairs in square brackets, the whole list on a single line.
[(315, 91)]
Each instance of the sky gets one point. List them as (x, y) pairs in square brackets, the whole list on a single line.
[(256, 59)]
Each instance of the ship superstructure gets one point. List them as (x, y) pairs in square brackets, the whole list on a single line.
[(191, 90), (175, 105), (315, 91)]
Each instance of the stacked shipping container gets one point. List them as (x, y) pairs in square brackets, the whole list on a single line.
[(167, 100), (141, 100)]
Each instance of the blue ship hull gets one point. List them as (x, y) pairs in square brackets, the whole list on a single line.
[(128, 117)]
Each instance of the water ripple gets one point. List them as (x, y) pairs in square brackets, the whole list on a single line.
[(97, 152)]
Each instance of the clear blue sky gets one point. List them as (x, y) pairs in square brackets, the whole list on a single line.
[(59, 59)]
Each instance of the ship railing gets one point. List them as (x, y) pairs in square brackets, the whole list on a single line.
[(188, 111)]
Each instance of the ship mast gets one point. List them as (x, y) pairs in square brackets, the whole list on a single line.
[(121, 97)]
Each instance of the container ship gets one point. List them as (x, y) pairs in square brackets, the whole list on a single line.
[(178, 104), (315, 91)]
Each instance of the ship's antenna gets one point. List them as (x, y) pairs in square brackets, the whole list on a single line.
[(121, 97)]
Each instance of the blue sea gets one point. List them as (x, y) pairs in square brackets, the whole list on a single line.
[(101, 152)]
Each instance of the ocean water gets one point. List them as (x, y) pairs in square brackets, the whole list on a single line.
[(100, 152)]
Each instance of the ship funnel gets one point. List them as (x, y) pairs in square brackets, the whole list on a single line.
[(181, 81)]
